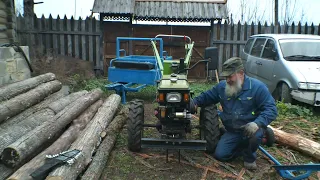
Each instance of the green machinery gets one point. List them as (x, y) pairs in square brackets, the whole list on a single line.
[(173, 109)]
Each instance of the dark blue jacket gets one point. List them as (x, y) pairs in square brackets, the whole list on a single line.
[(253, 103)]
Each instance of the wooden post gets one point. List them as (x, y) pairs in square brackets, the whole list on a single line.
[(101, 40), (90, 37), (43, 36), (80, 37), (54, 36), (69, 40), (220, 36), (87, 47), (276, 12), (48, 26), (76, 44), (98, 59), (72, 29)]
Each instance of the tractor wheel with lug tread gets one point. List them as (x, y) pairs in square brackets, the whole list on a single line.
[(135, 125), (210, 123)]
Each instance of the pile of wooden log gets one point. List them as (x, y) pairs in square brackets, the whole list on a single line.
[(40, 117)]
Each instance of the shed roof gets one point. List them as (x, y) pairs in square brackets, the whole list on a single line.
[(197, 10), (113, 6)]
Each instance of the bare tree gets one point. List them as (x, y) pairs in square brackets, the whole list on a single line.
[(249, 11), (289, 11), (303, 16)]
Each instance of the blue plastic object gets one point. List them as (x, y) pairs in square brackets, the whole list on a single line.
[(130, 78), (288, 171)]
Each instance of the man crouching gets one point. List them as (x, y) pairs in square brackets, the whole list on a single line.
[(248, 108)]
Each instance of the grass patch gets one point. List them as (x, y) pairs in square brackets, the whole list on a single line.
[(298, 119), (78, 82), (198, 88)]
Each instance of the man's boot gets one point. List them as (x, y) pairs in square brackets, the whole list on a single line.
[(250, 166)]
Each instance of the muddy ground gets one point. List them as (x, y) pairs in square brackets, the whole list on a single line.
[(151, 163)]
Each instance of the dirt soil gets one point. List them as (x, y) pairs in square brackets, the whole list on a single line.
[(151, 163), (64, 67)]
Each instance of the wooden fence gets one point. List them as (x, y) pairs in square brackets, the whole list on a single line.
[(70, 37), (231, 38), (81, 38)]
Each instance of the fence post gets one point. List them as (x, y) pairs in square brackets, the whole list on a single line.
[(69, 40), (91, 57), (80, 38), (299, 28), (228, 38), (49, 42), (312, 29), (234, 33), (83, 41), (54, 36), (97, 47), (101, 42), (87, 21), (61, 37), (236, 48), (73, 37), (77, 45), (241, 35), (221, 31)]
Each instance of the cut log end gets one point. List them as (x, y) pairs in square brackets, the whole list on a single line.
[(10, 157)]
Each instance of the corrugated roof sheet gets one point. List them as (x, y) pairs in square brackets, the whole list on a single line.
[(114, 6), (180, 10), (162, 10)]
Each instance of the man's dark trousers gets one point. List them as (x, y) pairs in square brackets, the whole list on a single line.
[(234, 144)]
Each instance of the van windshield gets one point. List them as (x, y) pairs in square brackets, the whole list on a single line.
[(300, 49)]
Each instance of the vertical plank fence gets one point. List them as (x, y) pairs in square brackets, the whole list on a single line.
[(231, 38), (81, 38), (70, 37)]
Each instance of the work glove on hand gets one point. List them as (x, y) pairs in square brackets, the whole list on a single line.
[(250, 129)]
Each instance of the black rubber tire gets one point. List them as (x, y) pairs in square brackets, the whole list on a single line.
[(285, 95), (210, 123), (135, 125), (270, 137)]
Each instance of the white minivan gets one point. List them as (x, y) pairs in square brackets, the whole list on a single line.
[(289, 64)]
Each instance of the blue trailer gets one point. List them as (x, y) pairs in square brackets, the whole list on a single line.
[(131, 73)]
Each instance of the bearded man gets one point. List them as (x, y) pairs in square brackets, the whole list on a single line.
[(248, 108)]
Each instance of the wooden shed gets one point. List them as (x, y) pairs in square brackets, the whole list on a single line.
[(119, 17)]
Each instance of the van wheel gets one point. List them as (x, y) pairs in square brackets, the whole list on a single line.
[(283, 93)]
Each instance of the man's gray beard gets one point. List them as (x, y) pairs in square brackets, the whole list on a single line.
[(232, 90)]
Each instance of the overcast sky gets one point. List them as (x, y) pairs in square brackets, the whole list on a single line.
[(264, 9)]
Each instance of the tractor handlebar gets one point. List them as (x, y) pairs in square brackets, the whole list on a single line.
[(205, 60), (176, 36)]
